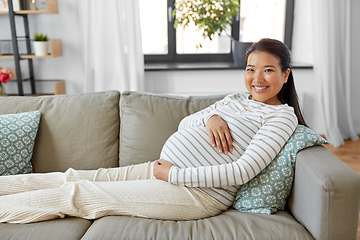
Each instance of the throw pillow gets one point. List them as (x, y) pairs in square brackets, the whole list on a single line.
[(17, 139), (268, 191)]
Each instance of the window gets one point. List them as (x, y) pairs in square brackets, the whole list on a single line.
[(258, 19)]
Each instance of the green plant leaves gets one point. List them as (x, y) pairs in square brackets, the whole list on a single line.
[(41, 37), (210, 16)]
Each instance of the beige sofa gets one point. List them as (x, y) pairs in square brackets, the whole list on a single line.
[(89, 131)]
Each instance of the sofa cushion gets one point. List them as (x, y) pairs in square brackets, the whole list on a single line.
[(66, 228), (230, 224), (143, 130), (78, 131), (269, 190), (17, 138)]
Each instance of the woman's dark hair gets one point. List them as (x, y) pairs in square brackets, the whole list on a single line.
[(288, 92)]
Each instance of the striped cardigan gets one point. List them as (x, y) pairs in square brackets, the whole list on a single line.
[(258, 130)]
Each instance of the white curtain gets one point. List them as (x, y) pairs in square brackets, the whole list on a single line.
[(111, 37), (331, 32)]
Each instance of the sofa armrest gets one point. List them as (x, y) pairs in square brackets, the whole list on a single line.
[(326, 195)]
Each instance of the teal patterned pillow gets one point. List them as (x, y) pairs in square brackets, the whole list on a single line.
[(268, 191), (17, 138)]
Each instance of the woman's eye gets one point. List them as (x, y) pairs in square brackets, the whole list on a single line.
[(249, 70), (268, 70)]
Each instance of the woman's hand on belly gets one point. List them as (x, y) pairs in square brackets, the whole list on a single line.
[(219, 134), (162, 169)]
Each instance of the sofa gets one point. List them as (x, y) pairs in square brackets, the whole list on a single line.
[(111, 129)]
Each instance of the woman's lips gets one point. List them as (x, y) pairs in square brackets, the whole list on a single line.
[(260, 89)]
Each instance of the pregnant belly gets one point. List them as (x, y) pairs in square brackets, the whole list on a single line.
[(190, 147)]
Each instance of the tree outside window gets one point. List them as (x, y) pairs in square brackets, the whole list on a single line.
[(257, 19)]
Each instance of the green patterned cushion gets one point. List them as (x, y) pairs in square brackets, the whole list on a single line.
[(268, 191), (17, 138)]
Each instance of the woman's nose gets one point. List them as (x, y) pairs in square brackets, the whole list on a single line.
[(258, 76)]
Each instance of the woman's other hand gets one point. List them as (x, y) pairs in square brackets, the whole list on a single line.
[(219, 134), (162, 169)]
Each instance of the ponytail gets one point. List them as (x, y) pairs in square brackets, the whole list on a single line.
[(289, 96)]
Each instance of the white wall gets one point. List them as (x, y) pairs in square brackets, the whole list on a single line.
[(69, 67)]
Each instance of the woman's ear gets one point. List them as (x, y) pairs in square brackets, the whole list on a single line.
[(286, 75)]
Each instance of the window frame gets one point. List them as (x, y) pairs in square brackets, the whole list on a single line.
[(173, 57)]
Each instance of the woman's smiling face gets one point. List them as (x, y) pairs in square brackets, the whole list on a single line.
[(264, 77)]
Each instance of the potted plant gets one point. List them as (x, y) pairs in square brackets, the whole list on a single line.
[(212, 17), (40, 44)]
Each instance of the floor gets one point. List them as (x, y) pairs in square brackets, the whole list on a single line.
[(350, 154)]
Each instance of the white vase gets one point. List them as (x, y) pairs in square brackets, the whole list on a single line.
[(40, 48)]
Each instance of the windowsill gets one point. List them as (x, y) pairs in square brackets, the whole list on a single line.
[(205, 66)]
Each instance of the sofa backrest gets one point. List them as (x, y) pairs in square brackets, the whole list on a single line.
[(147, 121), (84, 131), (78, 131)]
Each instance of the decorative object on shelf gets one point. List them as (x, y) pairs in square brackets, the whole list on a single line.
[(41, 5), (59, 88), (32, 5), (6, 74), (40, 44), (212, 17), (36, 5), (4, 5)]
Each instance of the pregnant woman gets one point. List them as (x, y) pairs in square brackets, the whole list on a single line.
[(201, 166)]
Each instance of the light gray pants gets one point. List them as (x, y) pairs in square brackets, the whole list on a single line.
[(91, 194)]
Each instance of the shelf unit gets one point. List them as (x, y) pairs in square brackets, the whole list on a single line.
[(55, 51), (52, 7), (55, 45)]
